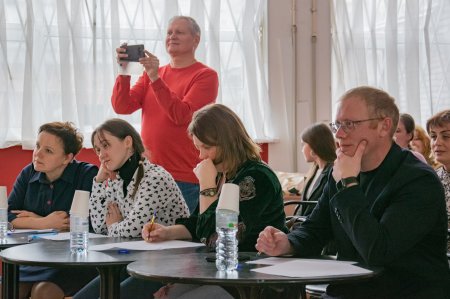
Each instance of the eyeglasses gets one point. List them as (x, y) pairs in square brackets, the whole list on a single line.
[(348, 125)]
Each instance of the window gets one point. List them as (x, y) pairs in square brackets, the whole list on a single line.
[(400, 46), (57, 58)]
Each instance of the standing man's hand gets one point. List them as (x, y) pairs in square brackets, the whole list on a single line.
[(151, 65), (348, 166), (121, 53)]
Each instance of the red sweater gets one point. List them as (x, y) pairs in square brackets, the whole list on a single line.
[(167, 107)]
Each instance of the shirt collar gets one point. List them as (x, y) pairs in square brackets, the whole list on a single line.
[(68, 175)]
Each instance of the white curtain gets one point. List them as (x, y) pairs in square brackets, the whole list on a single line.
[(57, 58), (401, 46)]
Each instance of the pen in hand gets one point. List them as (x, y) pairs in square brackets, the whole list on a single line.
[(151, 225)]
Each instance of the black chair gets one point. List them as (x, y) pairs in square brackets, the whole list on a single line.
[(298, 204), (315, 291), (295, 217)]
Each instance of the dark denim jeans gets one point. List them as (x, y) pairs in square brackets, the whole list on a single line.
[(130, 288), (190, 193)]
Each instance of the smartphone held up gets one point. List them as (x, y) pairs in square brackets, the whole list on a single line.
[(134, 52)]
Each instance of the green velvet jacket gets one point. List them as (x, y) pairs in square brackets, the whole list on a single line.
[(260, 205)]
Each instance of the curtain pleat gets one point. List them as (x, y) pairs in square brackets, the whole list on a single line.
[(401, 46), (58, 59)]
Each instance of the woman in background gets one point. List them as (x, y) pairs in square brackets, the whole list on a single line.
[(405, 133), (405, 130), (438, 127), (126, 192), (41, 198), (318, 148), (421, 143)]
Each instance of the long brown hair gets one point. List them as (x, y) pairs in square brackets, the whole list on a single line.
[(320, 138), (217, 125), (120, 128)]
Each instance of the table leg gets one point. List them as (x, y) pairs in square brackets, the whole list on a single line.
[(109, 281), (257, 292), (249, 292), (10, 281)]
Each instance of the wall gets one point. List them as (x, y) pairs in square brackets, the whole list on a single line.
[(313, 84), (13, 159)]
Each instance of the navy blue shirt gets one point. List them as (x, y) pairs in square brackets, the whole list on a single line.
[(33, 192)]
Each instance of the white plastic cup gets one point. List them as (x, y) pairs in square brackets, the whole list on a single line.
[(80, 203), (3, 198), (229, 198), (3, 214)]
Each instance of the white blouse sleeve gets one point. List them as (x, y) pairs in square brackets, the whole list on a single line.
[(97, 207), (158, 193)]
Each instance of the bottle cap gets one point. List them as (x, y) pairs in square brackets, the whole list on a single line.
[(80, 203), (229, 198), (3, 198)]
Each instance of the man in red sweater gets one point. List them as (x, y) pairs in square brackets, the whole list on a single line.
[(168, 96)]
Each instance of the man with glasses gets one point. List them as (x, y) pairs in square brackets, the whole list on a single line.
[(382, 206)]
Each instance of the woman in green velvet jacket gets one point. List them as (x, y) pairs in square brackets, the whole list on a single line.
[(228, 155)]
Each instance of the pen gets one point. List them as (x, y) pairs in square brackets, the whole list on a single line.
[(151, 223), (37, 236), (32, 232)]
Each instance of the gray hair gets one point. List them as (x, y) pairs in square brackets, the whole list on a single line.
[(195, 29)]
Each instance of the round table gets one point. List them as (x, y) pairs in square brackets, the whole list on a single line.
[(193, 268), (57, 254)]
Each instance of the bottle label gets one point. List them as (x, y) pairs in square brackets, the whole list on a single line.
[(232, 225)]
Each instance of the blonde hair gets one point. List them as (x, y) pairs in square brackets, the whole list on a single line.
[(379, 103), (423, 136)]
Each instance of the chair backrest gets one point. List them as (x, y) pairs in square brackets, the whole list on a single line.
[(297, 217), (298, 204)]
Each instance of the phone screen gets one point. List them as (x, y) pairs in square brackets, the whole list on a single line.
[(134, 52)]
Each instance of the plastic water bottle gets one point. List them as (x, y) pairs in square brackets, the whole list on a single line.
[(3, 224), (226, 244), (79, 234)]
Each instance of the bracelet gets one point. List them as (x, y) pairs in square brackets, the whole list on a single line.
[(210, 192)]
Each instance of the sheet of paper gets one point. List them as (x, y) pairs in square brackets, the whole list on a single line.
[(313, 268), (280, 260), (272, 260), (66, 236), (142, 245)]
